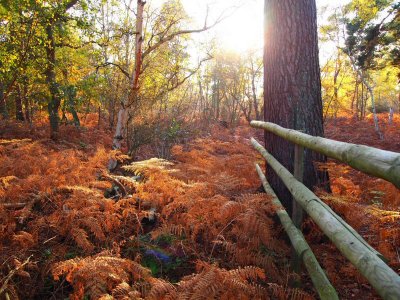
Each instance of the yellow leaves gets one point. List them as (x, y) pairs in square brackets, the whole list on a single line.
[(5, 182), (366, 9)]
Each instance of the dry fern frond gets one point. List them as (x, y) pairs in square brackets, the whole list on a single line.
[(161, 290), (23, 239), (124, 291), (214, 282), (284, 293), (81, 239), (145, 165), (110, 273)]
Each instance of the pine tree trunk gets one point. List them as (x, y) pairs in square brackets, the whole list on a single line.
[(292, 85)]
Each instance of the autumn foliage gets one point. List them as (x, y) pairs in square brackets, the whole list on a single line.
[(196, 226)]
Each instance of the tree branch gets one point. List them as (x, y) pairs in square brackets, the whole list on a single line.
[(184, 31), (126, 73)]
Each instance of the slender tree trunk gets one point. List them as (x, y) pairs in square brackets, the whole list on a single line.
[(19, 114), (371, 94), (26, 103), (362, 76), (336, 89), (3, 103), (133, 93), (391, 112), (253, 89), (362, 108), (354, 99), (376, 120), (292, 85)]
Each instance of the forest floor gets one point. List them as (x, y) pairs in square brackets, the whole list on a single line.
[(194, 227)]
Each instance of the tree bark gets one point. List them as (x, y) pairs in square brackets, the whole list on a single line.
[(292, 85)]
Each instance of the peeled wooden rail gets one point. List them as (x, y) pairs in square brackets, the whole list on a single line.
[(373, 161), (384, 280), (321, 282)]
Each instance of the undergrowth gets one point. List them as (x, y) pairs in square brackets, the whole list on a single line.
[(193, 227)]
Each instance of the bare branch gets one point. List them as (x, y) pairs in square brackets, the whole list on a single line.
[(183, 80), (169, 37), (126, 73)]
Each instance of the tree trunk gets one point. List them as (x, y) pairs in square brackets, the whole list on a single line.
[(336, 89), (3, 104), (55, 97), (376, 120), (254, 93), (26, 103), (362, 76), (19, 115), (133, 93), (292, 85), (391, 112), (354, 100)]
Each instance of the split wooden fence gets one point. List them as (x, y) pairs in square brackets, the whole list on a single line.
[(380, 163)]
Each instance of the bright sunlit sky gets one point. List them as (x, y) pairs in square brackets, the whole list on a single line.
[(243, 29)]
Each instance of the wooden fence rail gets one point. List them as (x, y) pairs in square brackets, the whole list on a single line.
[(373, 161), (321, 282), (366, 259)]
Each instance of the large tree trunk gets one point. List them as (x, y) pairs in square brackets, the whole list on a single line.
[(292, 85)]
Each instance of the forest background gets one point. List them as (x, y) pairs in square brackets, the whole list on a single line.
[(177, 80)]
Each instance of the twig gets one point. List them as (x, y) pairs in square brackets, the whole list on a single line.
[(116, 182), (12, 273), (14, 205)]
